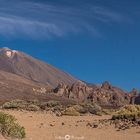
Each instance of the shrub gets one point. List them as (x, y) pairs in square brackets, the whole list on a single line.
[(9, 105), (15, 104), (130, 112), (34, 102), (91, 107), (21, 104), (80, 109), (52, 103), (87, 107), (33, 107), (58, 108), (107, 111), (9, 127), (128, 116), (70, 111)]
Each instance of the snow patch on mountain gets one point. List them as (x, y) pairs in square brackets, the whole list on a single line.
[(8, 52)]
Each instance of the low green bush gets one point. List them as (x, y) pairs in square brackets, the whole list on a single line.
[(70, 111), (9, 105), (14, 104), (91, 108), (9, 127), (130, 112), (33, 107), (107, 111), (52, 103), (80, 109), (21, 104)]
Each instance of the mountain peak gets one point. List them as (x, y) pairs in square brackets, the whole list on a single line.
[(8, 52)]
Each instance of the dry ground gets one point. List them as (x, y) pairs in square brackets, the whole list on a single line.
[(44, 126)]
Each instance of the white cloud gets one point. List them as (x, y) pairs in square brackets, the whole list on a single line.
[(44, 20), (12, 26)]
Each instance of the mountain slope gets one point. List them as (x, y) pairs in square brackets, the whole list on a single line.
[(19, 63), (14, 87)]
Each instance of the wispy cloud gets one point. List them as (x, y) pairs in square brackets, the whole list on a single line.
[(46, 19), (15, 25)]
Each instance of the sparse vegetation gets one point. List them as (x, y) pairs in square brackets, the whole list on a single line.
[(52, 103), (12, 104), (130, 112), (33, 107), (80, 109), (83, 108), (54, 106), (86, 107), (21, 104), (71, 111), (9, 127), (91, 108), (107, 111)]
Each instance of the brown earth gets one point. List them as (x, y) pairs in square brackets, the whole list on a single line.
[(44, 126)]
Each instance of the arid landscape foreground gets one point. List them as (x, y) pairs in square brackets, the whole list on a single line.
[(50, 104), (47, 126)]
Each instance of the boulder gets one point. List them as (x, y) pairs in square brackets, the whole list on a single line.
[(62, 90)]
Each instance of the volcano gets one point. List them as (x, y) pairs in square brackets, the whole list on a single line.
[(26, 66)]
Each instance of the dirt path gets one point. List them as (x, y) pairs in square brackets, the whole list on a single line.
[(42, 126)]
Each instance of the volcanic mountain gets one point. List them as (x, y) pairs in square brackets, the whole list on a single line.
[(24, 77), (21, 64)]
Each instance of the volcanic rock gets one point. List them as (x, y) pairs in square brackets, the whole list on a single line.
[(78, 91), (105, 95), (108, 95), (62, 90)]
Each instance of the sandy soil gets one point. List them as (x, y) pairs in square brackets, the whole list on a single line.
[(42, 126)]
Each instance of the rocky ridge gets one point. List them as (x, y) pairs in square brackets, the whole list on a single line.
[(105, 94)]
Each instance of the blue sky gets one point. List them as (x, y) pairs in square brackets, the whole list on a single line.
[(94, 40)]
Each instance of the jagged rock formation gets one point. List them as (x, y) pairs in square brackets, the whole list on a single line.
[(77, 91), (109, 95), (105, 94), (62, 90)]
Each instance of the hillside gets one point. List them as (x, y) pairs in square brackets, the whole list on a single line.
[(21, 64)]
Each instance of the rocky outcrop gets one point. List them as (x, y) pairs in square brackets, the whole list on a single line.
[(78, 91), (105, 94), (62, 90), (108, 95)]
